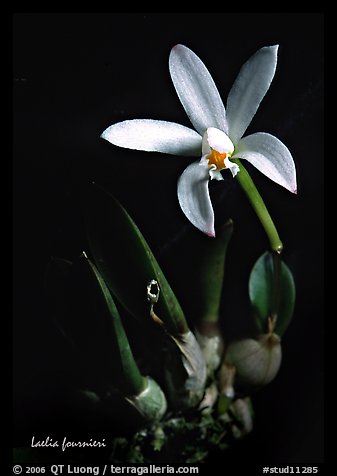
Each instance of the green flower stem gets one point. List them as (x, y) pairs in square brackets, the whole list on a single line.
[(257, 203), (260, 208)]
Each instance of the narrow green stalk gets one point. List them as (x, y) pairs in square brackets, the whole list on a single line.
[(257, 203), (260, 208)]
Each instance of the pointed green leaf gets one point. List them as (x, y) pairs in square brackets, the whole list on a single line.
[(126, 261), (95, 326), (91, 322), (261, 291)]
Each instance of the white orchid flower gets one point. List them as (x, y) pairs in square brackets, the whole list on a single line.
[(217, 137)]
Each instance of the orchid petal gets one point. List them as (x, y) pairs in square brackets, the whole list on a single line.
[(269, 155), (154, 136), (248, 90), (219, 140), (194, 198), (196, 90)]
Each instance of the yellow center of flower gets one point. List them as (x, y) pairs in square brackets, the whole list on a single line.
[(218, 159)]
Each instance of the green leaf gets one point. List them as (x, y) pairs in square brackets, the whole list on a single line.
[(94, 325), (126, 261), (261, 293)]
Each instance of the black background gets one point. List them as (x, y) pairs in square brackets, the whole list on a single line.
[(74, 75)]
